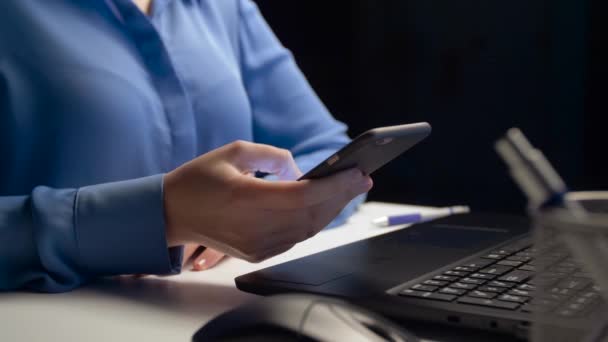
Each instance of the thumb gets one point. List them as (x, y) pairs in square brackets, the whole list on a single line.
[(251, 157)]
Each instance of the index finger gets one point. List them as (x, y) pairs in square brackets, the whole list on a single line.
[(304, 193)]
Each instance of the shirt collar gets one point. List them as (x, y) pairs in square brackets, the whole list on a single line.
[(158, 6)]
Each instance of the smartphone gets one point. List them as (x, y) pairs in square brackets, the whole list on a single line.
[(371, 150)]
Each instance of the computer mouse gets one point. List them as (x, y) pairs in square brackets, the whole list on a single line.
[(301, 317)]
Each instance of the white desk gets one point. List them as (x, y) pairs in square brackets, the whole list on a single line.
[(159, 308)]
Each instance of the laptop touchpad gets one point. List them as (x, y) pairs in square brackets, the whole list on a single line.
[(452, 236), (376, 264), (313, 270), (321, 268)]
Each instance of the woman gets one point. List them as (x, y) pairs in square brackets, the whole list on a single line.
[(131, 128)]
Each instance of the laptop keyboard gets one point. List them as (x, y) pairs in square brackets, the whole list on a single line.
[(503, 279)]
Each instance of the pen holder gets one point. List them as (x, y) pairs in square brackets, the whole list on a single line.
[(571, 275)]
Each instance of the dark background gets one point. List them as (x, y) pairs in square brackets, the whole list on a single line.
[(472, 68)]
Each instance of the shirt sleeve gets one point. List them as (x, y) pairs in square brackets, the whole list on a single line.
[(286, 111), (54, 240)]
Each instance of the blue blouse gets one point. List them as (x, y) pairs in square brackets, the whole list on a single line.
[(98, 101)]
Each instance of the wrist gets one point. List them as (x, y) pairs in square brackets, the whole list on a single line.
[(171, 232)]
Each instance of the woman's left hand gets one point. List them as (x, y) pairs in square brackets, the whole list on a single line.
[(201, 260)]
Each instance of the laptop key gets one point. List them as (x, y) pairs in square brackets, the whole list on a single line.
[(442, 297), (444, 278), (524, 253), (569, 263), (528, 308), (421, 287), (528, 268), (574, 283), (472, 281), (463, 286), (464, 268), (479, 263), (581, 274), (517, 276), (575, 307), (482, 294), (414, 293), (433, 282), (527, 287), (589, 294), (545, 304), (583, 300), (552, 275), (569, 312), (452, 291), (557, 298), (502, 252), (560, 269), (510, 248), (518, 292), (428, 295), (499, 283), (494, 256), (544, 281), (519, 258), (496, 270), (509, 263), (495, 289), (560, 291), (511, 298), (488, 302), (482, 276), (456, 273)]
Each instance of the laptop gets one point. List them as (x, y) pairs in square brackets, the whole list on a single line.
[(476, 271), (472, 271)]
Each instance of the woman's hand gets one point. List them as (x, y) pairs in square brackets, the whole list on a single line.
[(213, 201)]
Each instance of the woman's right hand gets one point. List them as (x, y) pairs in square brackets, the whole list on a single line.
[(214, 201)]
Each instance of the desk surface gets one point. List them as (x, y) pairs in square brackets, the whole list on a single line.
[(159, 308)]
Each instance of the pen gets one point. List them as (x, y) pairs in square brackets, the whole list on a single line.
[(416, 217), (531, 170)]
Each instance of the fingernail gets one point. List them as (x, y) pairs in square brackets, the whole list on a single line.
[(201, 263)]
